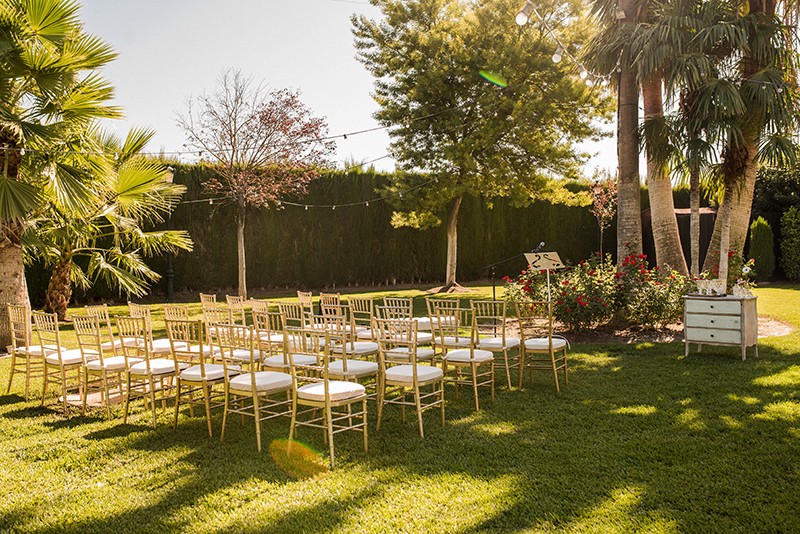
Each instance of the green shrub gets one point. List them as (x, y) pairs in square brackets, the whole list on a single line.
[(790, 244), (649, 297), (762, 249)]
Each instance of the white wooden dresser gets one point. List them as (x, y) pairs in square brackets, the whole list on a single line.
[(724, 320)]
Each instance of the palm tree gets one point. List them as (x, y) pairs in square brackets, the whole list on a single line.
[(609, 53), (130, 192), (49, 91)]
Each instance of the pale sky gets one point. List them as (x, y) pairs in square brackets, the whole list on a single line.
[(170, 50)]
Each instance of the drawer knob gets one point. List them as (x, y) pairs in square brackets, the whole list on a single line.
[(712, 321), (712, 307), (712, 335)]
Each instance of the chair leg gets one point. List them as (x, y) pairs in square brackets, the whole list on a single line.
[(207, 399), (28, 372), (11, 374), (474, 368), (127, 398), (419, 412), (257, 414), (294, 418), (64, 390), (508, 369), (366, 426), (329, 432), (381, 398), (521, 367), (85, 381), (566, 367), (441, 398), (555, 371), (225, 413), (106, 393), (177, 402), (491, 374), (44, 384), (153, 399)]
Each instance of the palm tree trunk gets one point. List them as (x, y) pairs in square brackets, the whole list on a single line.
[(59, 288), (725, 232), (13, 288), (629, 210), (694, 218), (452, 243), (659, 187), (240, 222)]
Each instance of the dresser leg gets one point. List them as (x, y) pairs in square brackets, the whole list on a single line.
[(699, 347), (685, 349), (744, 352)]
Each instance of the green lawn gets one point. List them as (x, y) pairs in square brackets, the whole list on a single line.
[(642, 439)]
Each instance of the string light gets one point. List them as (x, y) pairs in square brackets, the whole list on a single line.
[(558, 54), (524, 14)]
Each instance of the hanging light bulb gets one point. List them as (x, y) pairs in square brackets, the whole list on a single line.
[(366, 204), (334, 207), (524, 14), (584, 74), (558, 54), (210, 201), (306, 208)]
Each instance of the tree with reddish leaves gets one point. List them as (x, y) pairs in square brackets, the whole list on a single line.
[(604, 203), (267, 145)]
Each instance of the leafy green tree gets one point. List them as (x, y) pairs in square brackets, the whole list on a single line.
[(507, 135), (109, 231), (50, 94), (762, 248)]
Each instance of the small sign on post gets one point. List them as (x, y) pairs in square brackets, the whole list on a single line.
[(545, 261)]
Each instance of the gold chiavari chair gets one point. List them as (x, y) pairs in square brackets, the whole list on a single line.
[(322, 402), (362, 311), (152, 378), (252, 392), (490, 321), (400, 373), (306, 300), (258, 305), (432, 305), (60, 364), (110, 343), (331, 304), (349, 360), (236, 306), (26, 358), (459, 350), (199, 374), (158, 346), (178, 312), (100, 373), (536, 331), (207, 300)]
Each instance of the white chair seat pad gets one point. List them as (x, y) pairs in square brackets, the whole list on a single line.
[(162, 346), (355, 368), (496, 343), (36, 350), (277, 362), (338, 391), (423, 324), (70, 357), (401, 353), (116, 344), (214, 371), (358, 347), (113, 363), (364, 334), (460, 341), (271, 338), (265, 382), (541, 344), (241, 355), (158, 366), (404, 374), (463, 356)]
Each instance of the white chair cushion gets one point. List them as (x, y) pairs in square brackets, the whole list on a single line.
[(338, 391), (70, 357), (158, 366), (358, 347), (404, 374), (460, 341), (108, 346), (423, 324), (463, 356), (271, 338), (541, 344), (207, 350), (364, 333), (162, 346), (36, 350), (401, 353), (214, 371), (496, 343), (424, 338), (242, 355), (113, 363), (276, 362), (266, 382), (355, 368)]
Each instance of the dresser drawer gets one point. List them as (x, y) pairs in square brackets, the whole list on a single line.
[(733, 322), (713, 306), (707, 335)]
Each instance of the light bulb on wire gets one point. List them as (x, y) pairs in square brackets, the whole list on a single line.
[(584, 74), (524, 14), (557, 56)]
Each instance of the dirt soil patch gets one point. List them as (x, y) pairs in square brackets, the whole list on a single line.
[(767, 327)]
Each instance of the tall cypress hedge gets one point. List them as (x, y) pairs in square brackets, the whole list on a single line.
[(322, 247)]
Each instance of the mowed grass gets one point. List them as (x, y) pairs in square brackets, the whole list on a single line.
[(642, 439)]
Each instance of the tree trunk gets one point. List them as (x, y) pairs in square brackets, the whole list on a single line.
[(240, 220), (13, 289), (452, 243), (659, 188), (59, 289), (694, 218), (725, 233), (629, 211)]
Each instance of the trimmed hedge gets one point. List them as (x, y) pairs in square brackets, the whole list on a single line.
[(762, 249)]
